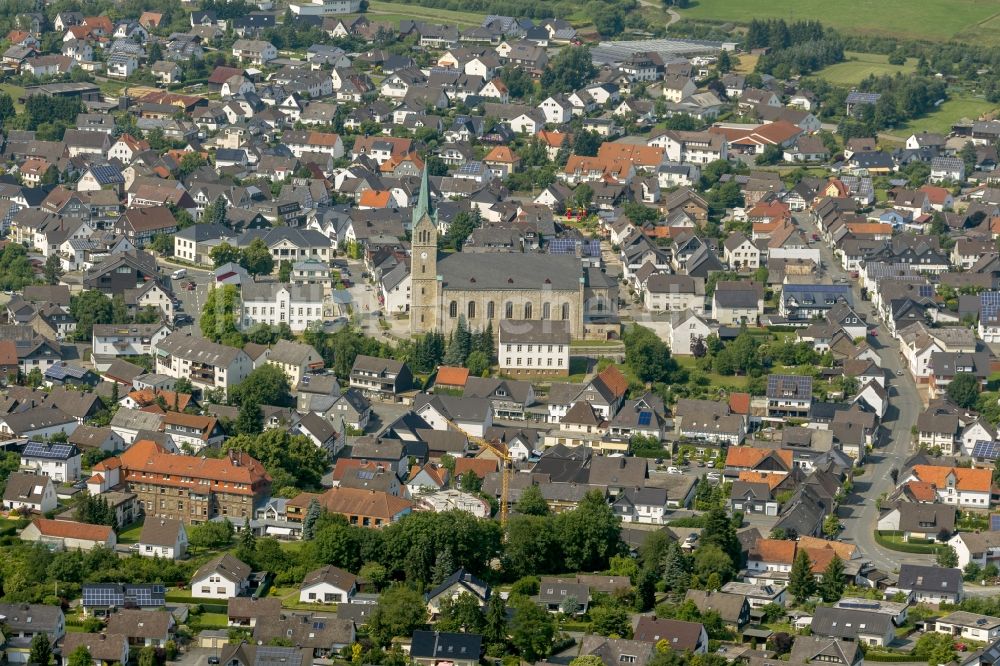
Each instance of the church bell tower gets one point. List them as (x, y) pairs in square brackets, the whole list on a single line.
[(423, 264)]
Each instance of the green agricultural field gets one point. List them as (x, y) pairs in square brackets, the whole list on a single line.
[(941, 119), (394, 12), (967, 20), (858, 66)]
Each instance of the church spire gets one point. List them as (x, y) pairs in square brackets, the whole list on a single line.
[(423, 206)]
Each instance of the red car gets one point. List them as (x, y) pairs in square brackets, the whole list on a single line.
[(190, 286)]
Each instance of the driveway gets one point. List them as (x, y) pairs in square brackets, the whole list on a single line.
[(195, 656)]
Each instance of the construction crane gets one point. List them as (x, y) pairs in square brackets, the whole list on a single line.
[(506, 466)]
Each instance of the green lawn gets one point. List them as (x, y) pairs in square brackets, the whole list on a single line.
[(716, 380), (968, 20), (946, 115), (213, 620), (131, 534), (15, 92), (857, 66), (397, 11)]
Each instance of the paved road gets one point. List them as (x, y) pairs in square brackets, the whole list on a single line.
[(191, 301), (859, 514)]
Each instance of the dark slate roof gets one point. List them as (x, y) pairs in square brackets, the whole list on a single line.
[(445, 645), (923, 578)]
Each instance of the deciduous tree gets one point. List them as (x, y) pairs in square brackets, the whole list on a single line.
[(400, 610), (531, 630)]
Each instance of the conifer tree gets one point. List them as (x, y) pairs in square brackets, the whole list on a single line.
[(801, 583)]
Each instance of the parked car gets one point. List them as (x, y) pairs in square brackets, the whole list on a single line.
[(713, 476), (673, 470)]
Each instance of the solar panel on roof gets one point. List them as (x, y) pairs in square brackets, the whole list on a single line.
[(644, 418), (47, 451), (118, 594), (561, 246), (995, 522), (986, 450), (989, 303)]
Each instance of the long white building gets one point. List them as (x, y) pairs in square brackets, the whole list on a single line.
[(278, 303)]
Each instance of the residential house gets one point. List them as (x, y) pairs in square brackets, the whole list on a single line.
[(206, 364), (431, 648), (29, 493), (850, 624), (379, 377), (789, 395), (106, 648), (59, 462), (221, 577), (678, 635), (164, 538), (328, 585), (459, 583), (734, 609), (23, 622), (961, 486), (143, 628), (929, 584)]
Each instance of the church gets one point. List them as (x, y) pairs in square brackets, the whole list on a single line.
[(487, 287)]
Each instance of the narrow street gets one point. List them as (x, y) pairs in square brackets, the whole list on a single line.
[(859, 513)]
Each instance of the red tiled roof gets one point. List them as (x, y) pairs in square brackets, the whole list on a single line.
[(772, 480), (748, 456), (922, 491), (966, 478), (614, 380), (70, 529), (739, 403), (478, 466), (147, 456), (375, 198), (357, 502), (774, 550), (347, 465), (8, 353), (450, 376), (846, 551)]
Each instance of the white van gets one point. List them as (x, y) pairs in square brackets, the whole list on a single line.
[(179, 274)]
